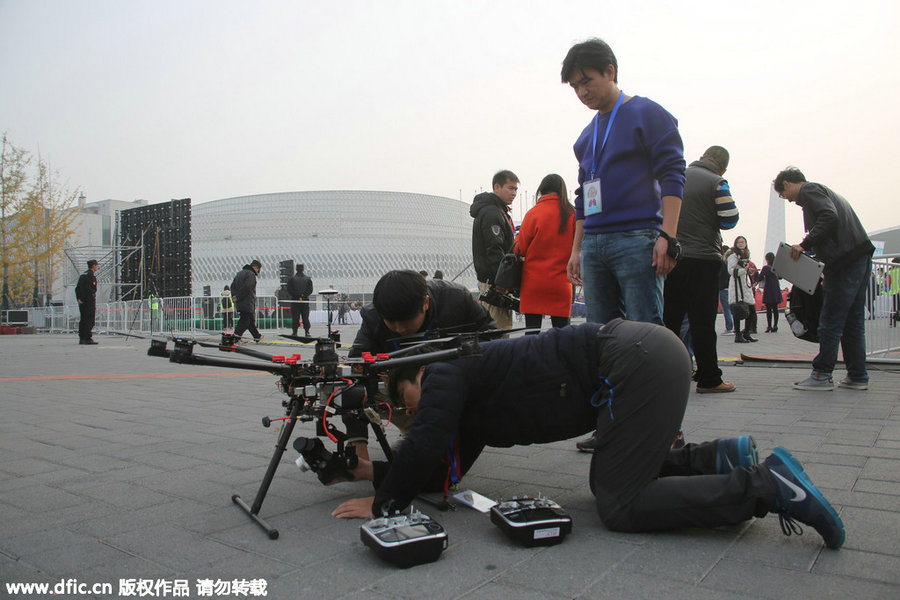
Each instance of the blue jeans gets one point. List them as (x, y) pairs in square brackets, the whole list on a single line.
[(618, 278), (842, 321), (726, 309)]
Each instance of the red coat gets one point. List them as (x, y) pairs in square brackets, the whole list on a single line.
[(545, 288)]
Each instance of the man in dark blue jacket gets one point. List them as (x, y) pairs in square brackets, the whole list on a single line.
[(300, 288), (243, 292), (630, 380), (837, 238), (86, 294)]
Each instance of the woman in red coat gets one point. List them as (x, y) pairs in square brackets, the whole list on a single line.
[(545, 240)]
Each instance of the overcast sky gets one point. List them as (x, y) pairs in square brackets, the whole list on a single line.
[(211, 99)]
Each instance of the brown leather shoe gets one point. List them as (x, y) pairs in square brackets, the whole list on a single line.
[(725, 386)]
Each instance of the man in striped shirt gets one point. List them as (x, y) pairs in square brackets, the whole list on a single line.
[(692, 287)]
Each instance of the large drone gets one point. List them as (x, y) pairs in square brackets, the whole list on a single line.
[(317, 390)]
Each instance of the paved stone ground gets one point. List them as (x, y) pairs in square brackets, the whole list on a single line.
[(115, 465)]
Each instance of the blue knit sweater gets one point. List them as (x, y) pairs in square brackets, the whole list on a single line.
[(643, 160)]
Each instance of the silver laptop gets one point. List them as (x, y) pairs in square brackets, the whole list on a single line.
[(804, 272)]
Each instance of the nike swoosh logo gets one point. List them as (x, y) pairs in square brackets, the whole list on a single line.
[(799, 492)]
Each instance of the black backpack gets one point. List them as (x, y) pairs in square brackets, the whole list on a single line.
[(803, 313)]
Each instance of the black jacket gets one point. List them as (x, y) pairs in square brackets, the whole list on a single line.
[(526, 390), (834, 232), (492, 234), (243, 290), (451, 306), (86, 289), (299, 287)]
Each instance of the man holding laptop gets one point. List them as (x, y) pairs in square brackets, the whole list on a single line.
[(837, 238)]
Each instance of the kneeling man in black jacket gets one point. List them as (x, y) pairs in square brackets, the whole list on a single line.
[(631, 381)]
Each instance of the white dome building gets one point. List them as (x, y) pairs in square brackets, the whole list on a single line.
[(346, 239)]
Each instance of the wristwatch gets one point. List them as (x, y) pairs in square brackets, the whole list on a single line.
[(674, 250)]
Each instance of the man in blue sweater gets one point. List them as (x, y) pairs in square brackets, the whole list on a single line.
[(631, 179)]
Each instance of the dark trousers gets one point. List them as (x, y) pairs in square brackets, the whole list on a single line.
[(247, 322), (772, 315), (300, 310), (750, 326), (228, 319), (692, 289), (87, 311), (640, 483), (533, 321)]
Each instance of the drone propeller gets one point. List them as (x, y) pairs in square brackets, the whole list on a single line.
[(301, 338), (432, 336), (310, 339), (128, 334)]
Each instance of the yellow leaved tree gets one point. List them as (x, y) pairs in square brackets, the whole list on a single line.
[(35, 223)]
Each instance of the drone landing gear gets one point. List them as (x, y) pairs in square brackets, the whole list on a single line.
[(280, 447)]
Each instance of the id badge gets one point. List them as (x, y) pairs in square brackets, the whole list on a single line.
[(593, 204)]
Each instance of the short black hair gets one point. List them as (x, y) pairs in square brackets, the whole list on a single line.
[(501, 177), (407, 372), (589, 54), (399, 295), (300, 268), (791, 175)]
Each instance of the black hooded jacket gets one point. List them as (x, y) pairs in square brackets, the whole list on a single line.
[(86, 290), (299, 286), (492, 234), (243, 290)]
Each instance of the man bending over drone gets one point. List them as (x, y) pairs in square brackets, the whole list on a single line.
[(404, 305), (631, 380)]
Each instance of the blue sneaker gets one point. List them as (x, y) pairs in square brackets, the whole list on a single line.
[(735, 452), (796, 498)]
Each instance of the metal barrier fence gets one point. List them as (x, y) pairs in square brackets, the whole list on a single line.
[(192, 314), (188, 314), (882, 310)]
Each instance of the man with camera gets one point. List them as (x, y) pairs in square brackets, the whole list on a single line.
[(839, 240), (405, 304), (631, 381), (493, 235)]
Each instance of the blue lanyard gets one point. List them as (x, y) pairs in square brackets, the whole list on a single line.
[(612, 117)]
